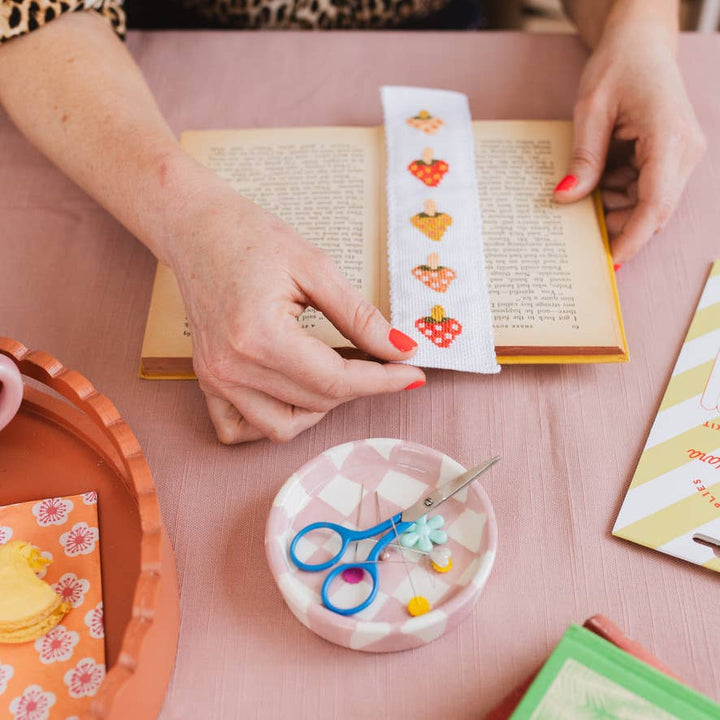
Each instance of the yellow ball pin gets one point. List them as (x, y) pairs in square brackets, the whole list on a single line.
[(440, 559), (418, 606), (441, 569)]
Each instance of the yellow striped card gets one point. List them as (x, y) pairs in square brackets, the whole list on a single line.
[(673, 504)]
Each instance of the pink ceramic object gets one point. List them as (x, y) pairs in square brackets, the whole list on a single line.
[(11, 390), (330, 487)]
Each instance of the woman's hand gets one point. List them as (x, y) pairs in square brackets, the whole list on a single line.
[(245, 276), (635, 134)]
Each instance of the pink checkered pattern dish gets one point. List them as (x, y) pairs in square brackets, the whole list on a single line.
[(330, 488)]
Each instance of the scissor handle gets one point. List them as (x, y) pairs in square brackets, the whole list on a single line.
[(346, 536), (369, 567), (392, 527)]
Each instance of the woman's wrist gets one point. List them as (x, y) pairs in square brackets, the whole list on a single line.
[(639, 21), (608, 21), (181, 192)]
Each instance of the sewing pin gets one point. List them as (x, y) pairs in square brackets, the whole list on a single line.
[(418, 604), (385, 554), (354, 575)]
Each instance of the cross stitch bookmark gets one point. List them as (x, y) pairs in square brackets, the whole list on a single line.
[(433, 202)]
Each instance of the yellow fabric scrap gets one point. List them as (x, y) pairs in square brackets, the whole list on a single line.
[(29, 607)]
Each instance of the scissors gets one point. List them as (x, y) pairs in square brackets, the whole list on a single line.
[(396, 525)]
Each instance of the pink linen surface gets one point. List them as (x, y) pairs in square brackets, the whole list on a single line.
[(74, 283)]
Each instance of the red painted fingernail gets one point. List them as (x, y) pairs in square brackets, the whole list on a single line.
[(617, 267), (567, 183), (416, 384), (401, 341)]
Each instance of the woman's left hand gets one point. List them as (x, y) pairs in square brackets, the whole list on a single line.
[(636, 135)]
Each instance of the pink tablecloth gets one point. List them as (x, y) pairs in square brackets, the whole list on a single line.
[(74, 283)]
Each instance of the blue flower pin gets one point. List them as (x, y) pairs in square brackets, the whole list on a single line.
[(424, 532)]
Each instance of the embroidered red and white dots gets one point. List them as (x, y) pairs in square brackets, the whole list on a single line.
[(438, 328), (435, 246), (434, 275)]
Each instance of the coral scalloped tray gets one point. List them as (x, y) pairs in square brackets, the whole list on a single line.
[(72, 441)]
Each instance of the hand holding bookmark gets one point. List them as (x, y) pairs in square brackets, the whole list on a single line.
[(245, 277)]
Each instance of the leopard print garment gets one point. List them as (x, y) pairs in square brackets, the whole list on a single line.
[(311, 14), (18, 17)]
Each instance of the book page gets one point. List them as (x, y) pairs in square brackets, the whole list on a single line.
[(546, 264), (324, 182)]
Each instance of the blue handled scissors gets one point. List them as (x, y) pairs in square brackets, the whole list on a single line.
[(392, 527)]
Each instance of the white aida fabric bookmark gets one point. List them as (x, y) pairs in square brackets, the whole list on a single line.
[(438, 293)]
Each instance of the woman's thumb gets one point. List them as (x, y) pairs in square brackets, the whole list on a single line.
[(592, 131)]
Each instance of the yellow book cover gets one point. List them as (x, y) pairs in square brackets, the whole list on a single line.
[(673, 504)]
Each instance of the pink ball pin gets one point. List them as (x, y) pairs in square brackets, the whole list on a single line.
[(352, 575)]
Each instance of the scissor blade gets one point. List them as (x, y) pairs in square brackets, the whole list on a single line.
[(445, 491)]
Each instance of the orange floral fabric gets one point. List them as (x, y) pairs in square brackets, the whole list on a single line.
[(56, 676)]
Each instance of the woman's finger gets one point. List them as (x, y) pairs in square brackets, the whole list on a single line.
[(271, 382), (329, 290), (613, 200), (593, 125), (659, 187), (230, 426), (275, 419), (619, 178), (615, 221), (314, 365)]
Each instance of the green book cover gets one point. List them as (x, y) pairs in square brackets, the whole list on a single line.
[(589, 678)]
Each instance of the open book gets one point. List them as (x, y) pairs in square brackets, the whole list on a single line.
[(549, 270)]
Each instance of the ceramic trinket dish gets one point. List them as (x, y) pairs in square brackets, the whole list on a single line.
[(346, 485)]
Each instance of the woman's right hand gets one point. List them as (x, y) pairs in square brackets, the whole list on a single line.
[(245, 276)]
